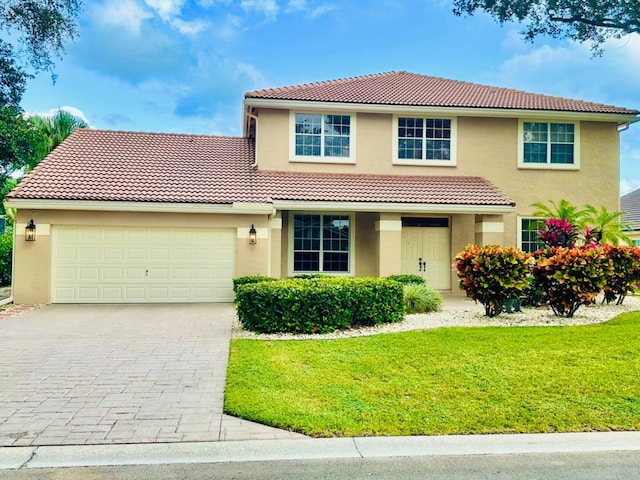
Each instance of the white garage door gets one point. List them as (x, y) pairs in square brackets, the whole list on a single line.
[(142, 264)]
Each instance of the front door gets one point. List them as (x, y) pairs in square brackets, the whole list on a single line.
[(426, 251)]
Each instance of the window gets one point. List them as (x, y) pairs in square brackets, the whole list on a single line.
[(321, 243), (529, 240), (426, 141), (636, 243), (319, 136), (546, 144)]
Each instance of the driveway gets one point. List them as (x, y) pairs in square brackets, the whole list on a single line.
[(105, 374)]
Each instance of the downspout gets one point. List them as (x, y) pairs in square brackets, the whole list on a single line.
[(255, 117), (269, 240), (621, 128)]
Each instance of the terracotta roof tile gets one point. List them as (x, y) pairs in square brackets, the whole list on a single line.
[(630, 204), (150, 167), (403, 88)]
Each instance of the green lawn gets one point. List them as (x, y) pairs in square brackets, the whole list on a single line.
[(445, 381)]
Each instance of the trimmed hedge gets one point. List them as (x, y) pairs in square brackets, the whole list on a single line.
[(318, 305), (407, 279), (250, 279), (6, 252)]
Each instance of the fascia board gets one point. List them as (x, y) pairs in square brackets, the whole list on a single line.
[(389, 207), (619, 118), (164, 207)]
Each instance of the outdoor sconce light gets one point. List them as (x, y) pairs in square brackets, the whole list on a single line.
[(253, 235), (30, 232)]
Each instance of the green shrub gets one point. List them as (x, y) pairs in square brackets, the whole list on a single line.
[(6, 254), (624, 277), (493, 274), (318, 305), (407, 279), (418, 298), (250, 279), (311, 276), (571, 277)]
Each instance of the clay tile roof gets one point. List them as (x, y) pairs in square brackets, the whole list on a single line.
[(435, 190), (403, 88), (152, 167), (143, 167), (630, 204)]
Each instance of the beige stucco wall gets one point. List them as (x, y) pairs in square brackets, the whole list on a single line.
[(486, 147), (32, 260)]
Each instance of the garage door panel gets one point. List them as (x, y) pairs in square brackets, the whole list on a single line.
[(140, 264)]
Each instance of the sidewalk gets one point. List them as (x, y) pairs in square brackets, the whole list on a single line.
[(320, 448)]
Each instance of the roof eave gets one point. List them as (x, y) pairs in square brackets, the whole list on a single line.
[(126, 206), (312, 205), (620, 118)]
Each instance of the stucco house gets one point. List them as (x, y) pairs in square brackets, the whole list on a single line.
[(630, 205), (374, 175)]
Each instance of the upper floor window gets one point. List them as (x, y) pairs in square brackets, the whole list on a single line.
[(425, 141), (322, 137), (549, 145)]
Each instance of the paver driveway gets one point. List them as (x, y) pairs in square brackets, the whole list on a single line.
[(93, 374)]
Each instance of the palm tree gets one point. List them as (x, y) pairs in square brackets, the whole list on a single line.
[(607, 225), (49, 132), (562, 210)]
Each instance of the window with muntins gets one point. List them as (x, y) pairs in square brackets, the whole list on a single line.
[(321, 243), (424, 138), (548, 143), (321, 135), (530, 240)]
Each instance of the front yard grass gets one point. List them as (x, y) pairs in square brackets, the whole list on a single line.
[(446, 381)]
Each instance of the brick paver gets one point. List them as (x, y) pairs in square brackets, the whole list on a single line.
[(103, 374)]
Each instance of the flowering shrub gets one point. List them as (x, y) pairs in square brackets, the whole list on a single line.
[(625, 274), (571, 277), (493, 274)]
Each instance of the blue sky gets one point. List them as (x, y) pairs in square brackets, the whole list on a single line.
[(183, 66)]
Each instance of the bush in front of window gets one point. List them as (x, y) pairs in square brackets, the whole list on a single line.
[(407, 279), (237, 282), (492, 275), (571, 277), (418, 298), (318, 305)]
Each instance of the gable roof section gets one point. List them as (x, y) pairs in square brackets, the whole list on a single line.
[(630, 204), (95, 165), (410, 89)]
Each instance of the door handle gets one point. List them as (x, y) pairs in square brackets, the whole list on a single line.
[(422, 266)]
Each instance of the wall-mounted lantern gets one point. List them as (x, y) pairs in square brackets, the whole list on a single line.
[(253, 235), (30, 232)]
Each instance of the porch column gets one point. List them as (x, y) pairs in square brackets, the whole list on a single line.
[(389, 229), (275, 246), (489, 230)]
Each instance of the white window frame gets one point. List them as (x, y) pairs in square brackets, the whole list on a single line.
[(520, 219), (351, 159), (453, 152), (352, 246), (549, 166)]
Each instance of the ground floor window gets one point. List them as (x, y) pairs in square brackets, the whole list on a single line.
[(529, 238), (321, 243), (636, 243)]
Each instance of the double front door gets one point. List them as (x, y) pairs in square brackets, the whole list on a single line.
[(426, 251)]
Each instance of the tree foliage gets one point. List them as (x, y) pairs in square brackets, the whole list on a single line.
[(586, 21), (49, 132)]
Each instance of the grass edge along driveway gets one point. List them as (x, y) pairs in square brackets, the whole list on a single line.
[(447, 381)]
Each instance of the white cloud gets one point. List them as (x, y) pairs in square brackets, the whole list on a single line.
[(127, 14), (628, 185), (167, 9), (294, 6), (269, 8), (76, 112), (189, 28)]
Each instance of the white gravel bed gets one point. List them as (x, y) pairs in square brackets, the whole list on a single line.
[(464, 313)]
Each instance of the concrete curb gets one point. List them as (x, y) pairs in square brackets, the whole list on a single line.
[(323, 448)]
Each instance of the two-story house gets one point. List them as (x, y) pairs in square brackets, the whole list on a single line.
[(374, 175)]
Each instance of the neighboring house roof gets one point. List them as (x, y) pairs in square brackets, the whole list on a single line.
[(151, 167), (630, 204), (410, 89)]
